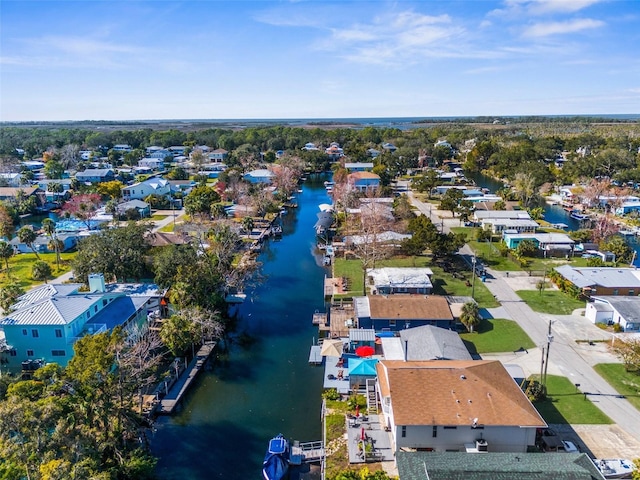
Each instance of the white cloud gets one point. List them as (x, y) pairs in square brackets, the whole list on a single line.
[(518, 8), (554, 28)]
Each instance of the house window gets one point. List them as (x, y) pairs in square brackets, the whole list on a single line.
[(615, 291), (392, 323), (58, 333), (88, 314), (449, 427), (404, 431), (435, 431), (95, 308), (58, 353), (104, 302), (12, 352), (34, 333), (29, 353), (631, 293), (25, 332)]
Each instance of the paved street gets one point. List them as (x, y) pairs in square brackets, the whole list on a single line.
[(567, 357)]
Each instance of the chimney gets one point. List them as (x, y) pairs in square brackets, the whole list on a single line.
[(96, 283)]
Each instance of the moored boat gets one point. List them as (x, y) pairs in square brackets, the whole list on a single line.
[(615, 467), (276, 460)]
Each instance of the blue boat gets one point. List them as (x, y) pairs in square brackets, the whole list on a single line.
[(276, 460)]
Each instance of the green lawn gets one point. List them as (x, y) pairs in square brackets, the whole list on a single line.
[(20, 268), (155, 216), (565, 404), (497, 335), (625, 383), (444, 283), (550, 301)]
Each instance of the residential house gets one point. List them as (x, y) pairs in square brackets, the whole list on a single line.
[(182, 186), (389, 147), (359, 166), (442, 143), (11, 194), (310, 147), (152, 163), (11, 179), (151, 186), (33, 165), (219, 155), (95, 175), (363, 181), (143, 208), (334, 151), (602, 280), (392, 280), (399, 311), (503, 225), (161, 153), (425, 343), (259, 176), (627, 207), (45, 322), (177, 150), (65, 183), (41, 244), (373, 153), (412, 465), (549, 244), (455, 405), (622, 311), (391, 239), (122, 147)]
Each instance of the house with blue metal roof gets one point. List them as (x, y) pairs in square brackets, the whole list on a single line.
[(45, 322)]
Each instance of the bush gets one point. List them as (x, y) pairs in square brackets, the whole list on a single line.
[(535, 391), (331, 394), (617, 328), (41, 270)]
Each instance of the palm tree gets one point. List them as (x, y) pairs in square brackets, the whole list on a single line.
[(470, 315), (49, 227), (247, 223), (28, 237), (6, 252)]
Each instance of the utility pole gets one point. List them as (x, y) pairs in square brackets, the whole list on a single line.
[(473, 278), (546, 363)]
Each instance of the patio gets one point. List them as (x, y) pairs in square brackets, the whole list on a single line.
[(369, 431)]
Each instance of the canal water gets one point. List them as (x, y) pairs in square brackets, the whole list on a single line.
[(265, 387)]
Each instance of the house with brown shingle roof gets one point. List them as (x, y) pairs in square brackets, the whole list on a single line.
[(400, 311), (455, 405)]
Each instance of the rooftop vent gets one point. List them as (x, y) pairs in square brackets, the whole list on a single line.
[(462, 377)]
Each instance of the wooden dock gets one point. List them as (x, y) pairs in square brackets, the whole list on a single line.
[(170, 402), (306, 452)]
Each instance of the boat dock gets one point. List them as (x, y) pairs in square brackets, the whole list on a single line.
[(171, 401), (307, 452)]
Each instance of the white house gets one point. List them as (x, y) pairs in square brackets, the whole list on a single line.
[(390, 280), (219, 155), (612, 310), (151, 186), (11, 179), (152, 163), (359, 166), (455, 405), (95, 175), (46, 321), (259, 176)]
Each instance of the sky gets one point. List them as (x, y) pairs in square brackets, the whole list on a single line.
[(208, 59)]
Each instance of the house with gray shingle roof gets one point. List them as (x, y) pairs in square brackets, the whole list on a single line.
[(448, 405), (46, 321), (425, 343), (495, 465), (603, 280), (623, 311)]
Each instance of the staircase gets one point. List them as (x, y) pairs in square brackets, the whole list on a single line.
[(372, 397)]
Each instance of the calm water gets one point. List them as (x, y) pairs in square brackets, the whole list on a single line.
[(268, 387)]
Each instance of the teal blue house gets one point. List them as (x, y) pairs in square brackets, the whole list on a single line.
[(45, 322), (549, 244)]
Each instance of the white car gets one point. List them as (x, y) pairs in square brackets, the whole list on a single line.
[(568, 447)]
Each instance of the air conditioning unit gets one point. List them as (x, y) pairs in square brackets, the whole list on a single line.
[(482, 445)]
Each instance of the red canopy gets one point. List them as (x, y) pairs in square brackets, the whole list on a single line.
[(365, 351)]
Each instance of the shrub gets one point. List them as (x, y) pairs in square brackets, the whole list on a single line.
[(331, 394), (535, 391), (617, 327)]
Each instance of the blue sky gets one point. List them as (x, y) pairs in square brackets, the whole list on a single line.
[(123, 60)]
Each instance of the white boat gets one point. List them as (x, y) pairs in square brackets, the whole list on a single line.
[(615, 467), (627, 233)]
